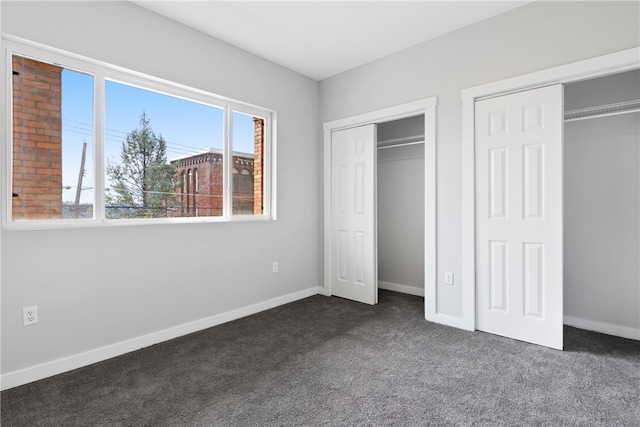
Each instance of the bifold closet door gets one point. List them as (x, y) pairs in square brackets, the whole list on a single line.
[(519, 216), (354, 264)]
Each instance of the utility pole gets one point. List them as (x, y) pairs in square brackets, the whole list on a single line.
[(80, 175)]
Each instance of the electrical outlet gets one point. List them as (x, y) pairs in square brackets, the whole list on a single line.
[(30, 315), (448, 278), (275, 267)]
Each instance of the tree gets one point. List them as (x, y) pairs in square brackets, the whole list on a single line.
[(142, 183)]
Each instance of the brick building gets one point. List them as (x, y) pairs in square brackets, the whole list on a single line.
[(199, 186)]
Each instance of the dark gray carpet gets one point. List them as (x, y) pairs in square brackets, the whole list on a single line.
[(331, 362)]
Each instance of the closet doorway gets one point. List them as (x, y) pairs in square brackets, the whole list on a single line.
[(400, 196), (352, 182), (516, 283), (602, 204)]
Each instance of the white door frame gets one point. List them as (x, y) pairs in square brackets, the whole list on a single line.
[(428, 108), (595, 67)]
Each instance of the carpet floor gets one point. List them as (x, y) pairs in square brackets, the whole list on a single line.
[(331, 362)]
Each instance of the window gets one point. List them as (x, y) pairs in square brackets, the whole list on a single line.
[(52, 142), (248, 154), (164, 149), (151, 138)]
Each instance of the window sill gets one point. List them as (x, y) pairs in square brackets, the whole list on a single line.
[(93, 223)]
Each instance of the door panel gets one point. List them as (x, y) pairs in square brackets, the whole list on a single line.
[(519, 216), (354, 263)]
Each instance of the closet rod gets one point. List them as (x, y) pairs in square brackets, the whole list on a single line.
[(617, 113), (602, 111), (400, 144), (401, 139)]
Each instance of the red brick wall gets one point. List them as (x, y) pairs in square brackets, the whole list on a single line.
[(258, 156), (37, 140)]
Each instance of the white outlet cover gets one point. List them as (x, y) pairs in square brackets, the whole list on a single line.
[(448, 278), (30, 315)]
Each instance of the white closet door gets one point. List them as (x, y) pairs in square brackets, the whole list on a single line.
[(519, 216), (354, 269)]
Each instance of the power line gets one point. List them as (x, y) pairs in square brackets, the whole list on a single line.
[(90, 127)]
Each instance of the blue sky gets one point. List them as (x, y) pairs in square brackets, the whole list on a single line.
[(186, 126)]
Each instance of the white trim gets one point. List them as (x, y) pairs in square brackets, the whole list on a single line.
[(327, 212), (44, 370), (3, 119), (468, 217), (448, 320), (270, 153), (603, 328), (404, 289), (430, 214), (612, 63), (227, 161), (599, 66), (380, 116), (99, 156), (427, 107)]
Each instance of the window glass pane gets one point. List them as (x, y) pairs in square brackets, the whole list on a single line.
[(52, 169), (248, 161), (163, 155)]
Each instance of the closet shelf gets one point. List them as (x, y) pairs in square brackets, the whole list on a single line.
[(602, 110)]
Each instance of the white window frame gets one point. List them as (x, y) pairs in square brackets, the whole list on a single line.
[(101, 72)]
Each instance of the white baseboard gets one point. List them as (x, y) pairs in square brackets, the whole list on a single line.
[(604, 328), (446, 320), (401, 288), (324, 291), (48, 369)]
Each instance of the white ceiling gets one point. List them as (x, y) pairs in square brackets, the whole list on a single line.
[(320, 38)]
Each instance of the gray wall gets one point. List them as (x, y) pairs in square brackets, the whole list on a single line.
[(99, 286), (401, 206), (531, 38), (602, 206)]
